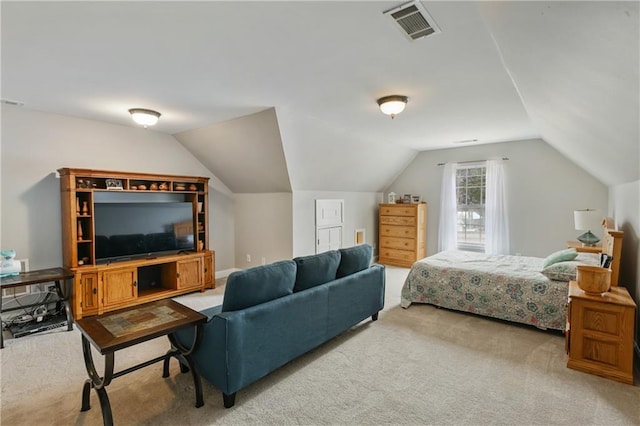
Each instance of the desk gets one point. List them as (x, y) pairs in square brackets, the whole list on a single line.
[(55, 275), (127, 327)]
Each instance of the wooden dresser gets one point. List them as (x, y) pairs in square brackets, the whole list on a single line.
[(599, 334), (403, 233)]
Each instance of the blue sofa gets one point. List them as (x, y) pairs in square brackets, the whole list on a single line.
[(274, 313)]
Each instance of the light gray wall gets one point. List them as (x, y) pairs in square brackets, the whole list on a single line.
[(543, 189), (624, 205), (36, 144), (360, 211), (222, 224), (262, 228)]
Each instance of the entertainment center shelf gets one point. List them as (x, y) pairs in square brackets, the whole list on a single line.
[(132, 238)]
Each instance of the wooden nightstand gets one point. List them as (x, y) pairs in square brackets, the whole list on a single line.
[(584, 249), (599, 333)]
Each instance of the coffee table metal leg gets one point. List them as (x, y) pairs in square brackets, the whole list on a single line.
[(180, 352), (96, 382)]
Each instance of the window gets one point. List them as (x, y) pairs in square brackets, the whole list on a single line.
[(470, 202)]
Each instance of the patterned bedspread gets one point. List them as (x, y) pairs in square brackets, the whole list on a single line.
[(506, 287)]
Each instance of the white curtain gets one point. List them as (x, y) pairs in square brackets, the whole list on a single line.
[(447, 235), (495, 214)]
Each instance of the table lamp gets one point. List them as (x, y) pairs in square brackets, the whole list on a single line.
[(586, 220)]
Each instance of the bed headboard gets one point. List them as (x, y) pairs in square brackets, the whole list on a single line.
[(612, 245)]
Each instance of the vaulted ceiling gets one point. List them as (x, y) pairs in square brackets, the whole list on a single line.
[(280, 96)]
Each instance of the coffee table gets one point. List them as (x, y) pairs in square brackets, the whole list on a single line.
[(123, 328)]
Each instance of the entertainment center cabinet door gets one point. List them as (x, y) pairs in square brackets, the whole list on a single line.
[(209, 269), (119, 286), (190, 273), (89, 292)]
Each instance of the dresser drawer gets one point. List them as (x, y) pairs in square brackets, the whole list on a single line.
[(398, 243), (398, 210), (397, 231), (405, 256), (398, 220)]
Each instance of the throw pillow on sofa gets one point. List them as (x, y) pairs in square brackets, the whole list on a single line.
[(354, 259), (316, 269), (258, 285)]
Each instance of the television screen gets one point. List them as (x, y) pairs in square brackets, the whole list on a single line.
[(133, 229)]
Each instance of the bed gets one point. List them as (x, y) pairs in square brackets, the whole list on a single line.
[(511, 288)]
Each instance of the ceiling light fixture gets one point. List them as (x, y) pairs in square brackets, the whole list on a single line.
[(392, 105), (144, 117)]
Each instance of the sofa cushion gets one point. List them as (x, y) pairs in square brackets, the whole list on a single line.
[(257, 285), (354, 259), (316, 269)]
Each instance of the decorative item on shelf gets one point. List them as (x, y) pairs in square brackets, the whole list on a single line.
[(199, 206), (200, 245), (153, 187), (85, 183), (163, 186), (113, 184), (200, 227), (593, 279), (142, 187), (406, 199), (415, 199), (586, 220), (392, 197), (133, 187), (193, 187), (8, 265), (179, 187), (79, 230), (85, 208), (77, 205)]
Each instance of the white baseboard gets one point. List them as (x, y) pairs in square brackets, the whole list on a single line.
[(225, 272)]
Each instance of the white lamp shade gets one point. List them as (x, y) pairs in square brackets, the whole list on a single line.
[(144, 117), (586, 220)]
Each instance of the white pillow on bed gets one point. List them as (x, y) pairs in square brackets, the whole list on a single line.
[(566, 271), (560, 256)]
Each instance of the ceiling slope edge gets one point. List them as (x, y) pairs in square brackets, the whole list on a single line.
[(245, 153), (585, 101), (321, 157)]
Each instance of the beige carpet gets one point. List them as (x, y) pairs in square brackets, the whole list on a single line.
[(417, 366)]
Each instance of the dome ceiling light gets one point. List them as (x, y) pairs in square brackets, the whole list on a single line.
[(392, 105), (144, 117)]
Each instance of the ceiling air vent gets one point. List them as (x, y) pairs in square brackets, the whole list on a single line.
[(414, 20)]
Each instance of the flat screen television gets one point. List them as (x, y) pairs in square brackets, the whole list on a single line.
[(132, 230)]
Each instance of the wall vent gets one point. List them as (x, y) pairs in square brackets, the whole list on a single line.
[(413, 20)]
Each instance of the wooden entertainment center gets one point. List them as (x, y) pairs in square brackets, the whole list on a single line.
[(103, 286)]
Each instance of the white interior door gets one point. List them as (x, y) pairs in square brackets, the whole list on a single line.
[(329, 239), (329, 220)]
